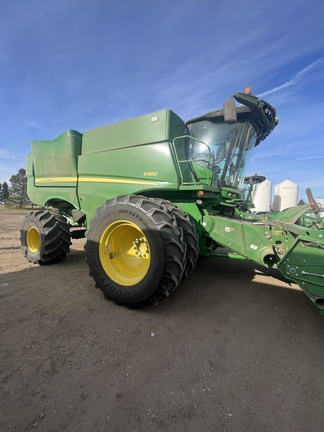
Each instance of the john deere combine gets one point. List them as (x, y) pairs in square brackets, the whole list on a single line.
[(152, 193)]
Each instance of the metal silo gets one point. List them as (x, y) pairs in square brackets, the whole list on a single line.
[(263, 197), (286, 195)]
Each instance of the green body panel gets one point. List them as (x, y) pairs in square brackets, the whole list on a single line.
[(57, 159), (52, 169), (145, 168), (159, 126), (46, 191), (240, 236), (257, 240)]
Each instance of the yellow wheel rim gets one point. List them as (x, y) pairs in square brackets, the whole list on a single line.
[(33, 239), (124, 253)]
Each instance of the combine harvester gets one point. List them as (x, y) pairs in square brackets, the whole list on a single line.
[(152, 193)]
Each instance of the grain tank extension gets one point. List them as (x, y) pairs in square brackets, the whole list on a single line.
[(152, 193)]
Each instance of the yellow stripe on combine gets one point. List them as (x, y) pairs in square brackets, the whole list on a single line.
[(56, 179), (92, 180)]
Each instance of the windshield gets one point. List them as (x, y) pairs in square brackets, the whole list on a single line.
[(224, 149)]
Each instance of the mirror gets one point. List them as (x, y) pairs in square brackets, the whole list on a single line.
[(229, 111)]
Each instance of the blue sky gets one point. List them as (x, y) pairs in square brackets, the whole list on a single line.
[(71, 64)]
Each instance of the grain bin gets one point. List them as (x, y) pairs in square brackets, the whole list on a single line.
[(263, 196), (286, 195)]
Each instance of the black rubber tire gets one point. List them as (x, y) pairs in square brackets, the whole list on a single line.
[(190, 236), (164, 244), (45, 237)]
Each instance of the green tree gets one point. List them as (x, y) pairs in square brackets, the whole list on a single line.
[(18, 189), (4, 192)]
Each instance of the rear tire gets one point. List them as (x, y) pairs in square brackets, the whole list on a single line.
[(190, 236), (135, 251), (45, 237)]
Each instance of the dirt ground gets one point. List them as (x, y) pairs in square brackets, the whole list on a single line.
[(233, 349)]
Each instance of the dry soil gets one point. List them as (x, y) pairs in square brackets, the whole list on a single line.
[(233, 349)]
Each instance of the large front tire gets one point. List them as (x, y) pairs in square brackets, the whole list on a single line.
[(190, 236), (135, 251), (45, 237)]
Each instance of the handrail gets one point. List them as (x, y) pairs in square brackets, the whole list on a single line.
[(180, 162)]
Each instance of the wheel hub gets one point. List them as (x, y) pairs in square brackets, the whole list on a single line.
[(124, 253), (141, 247), (33, 239)]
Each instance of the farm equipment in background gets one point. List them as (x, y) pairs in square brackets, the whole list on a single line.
[(251, 185), (152, 193)]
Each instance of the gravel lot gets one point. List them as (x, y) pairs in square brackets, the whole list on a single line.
[(233, 349)]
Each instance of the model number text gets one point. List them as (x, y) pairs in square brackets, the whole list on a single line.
[(150, 173)]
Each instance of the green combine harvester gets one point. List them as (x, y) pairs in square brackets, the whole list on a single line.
[(152, 193)]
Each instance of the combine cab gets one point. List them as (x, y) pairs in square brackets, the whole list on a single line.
[(152, 193)]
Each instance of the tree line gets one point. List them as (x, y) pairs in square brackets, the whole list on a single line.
[(16, 192)]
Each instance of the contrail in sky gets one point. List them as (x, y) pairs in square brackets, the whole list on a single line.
[(295, 79)]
